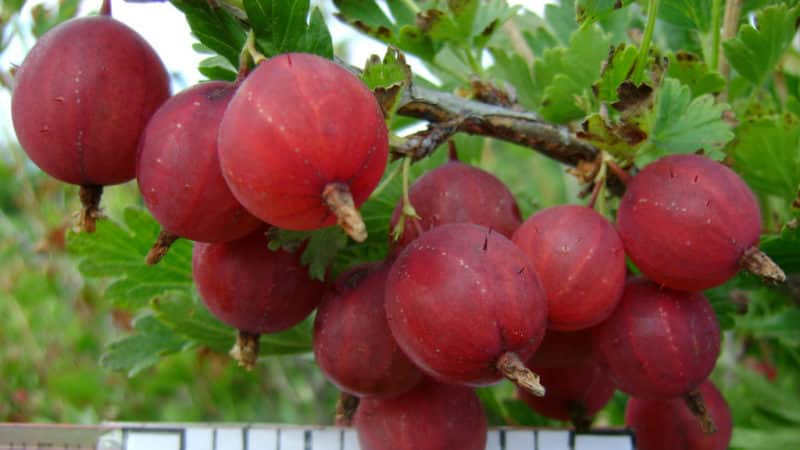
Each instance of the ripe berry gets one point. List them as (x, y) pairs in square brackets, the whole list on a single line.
[(659, 343), (465, 305), (574, 393), (253, 289), (458, 193), (563, 349), (689, 223), (352, 342), (668, 424), (83, 96), (431, 416), (302, 143), (178, 170), (580, 261)]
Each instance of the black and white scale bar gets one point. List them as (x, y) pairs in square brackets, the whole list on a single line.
[(156, 436)]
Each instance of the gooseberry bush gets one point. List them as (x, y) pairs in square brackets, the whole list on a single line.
[(617, 214)]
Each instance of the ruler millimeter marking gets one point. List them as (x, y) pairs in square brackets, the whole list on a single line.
[(156, 436)]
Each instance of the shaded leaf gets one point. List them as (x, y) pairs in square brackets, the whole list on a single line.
[(694, 14), (281, 26), (767, 154), (215, 28), (187, 317), (784, 248), (590, 11), (690, 70), (617, 69), (143, 349)]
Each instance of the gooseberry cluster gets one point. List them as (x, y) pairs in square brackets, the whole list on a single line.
[(470, 293)]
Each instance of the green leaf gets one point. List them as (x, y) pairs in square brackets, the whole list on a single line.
[(322, 248), (215, 28), (391, 70), (489, 16), (280, 26), (690, 70), (187, 317), (783, 325), (369, 14), (590, 11), (367, 17), (402, 11), (784, 248), (768, 396), (685, 125), (387, 78), (779, 438), (143, 349), (569, 73), (561, 20), (297, 339), (694, 14), (117, 252), (217, 68), (467, 24), (317, 39), (190, 319), (755, 51), (720, 298), (767, 154)]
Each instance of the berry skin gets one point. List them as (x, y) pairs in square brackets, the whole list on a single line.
[(253, 289), (563, 349), (353, 344), (458, 193), (178, 168), (658, 343), (83, 96), (574, 393), (669, 425), (303, 142), (687, 222), (463, 302), (432, 416), (580, 261)]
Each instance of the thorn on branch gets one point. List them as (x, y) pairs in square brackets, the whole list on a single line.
[(487, 92), (423, 143)]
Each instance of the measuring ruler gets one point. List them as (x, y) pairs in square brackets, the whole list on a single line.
[(199, 436)]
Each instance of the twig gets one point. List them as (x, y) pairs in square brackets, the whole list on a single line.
[(518, 41), (519, 127), (730, 25)]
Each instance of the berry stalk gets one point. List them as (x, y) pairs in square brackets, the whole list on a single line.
[(90, 199), (160, 247), (339, 200), (757, 262), (694, 400), (514, 369), (245, 351)]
